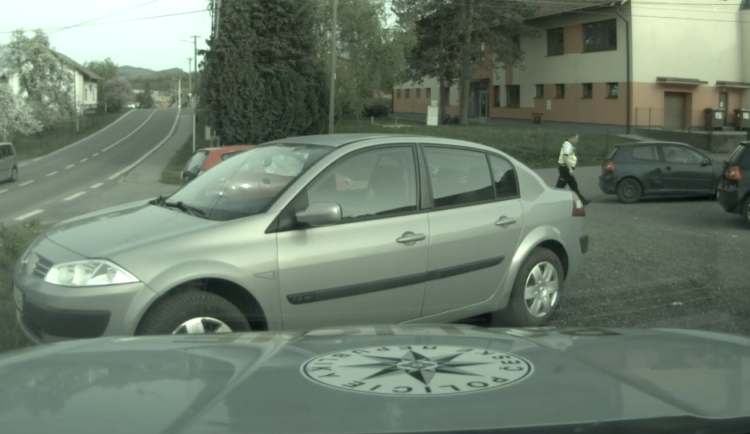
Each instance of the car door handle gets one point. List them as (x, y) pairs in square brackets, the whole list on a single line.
[(505, 221), (411, 237), (668, 168)]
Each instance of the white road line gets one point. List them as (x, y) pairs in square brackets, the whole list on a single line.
[(83, 139), (95, 154), (3, 191), (79, 194), (84, 160), (32, 213), (97, 185), (26, 183), (134, 131), (148, 154), (68, 167), (51, 174)]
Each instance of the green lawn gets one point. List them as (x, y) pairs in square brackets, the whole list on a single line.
[(533, 145), (13, 243), (62, 135)]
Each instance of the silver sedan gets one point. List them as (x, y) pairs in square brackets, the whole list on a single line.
[(309, 232)]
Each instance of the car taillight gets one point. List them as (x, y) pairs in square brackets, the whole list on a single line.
[(609, 166), (733, 173), (578, 210)]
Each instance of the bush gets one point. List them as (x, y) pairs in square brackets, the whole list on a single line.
[(378, 108)]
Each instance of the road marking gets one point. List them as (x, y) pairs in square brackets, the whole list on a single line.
[(84, 160), (148, 154), (70, 166), (97, 185), (26, 183), (95, 154), (32, 213), (134, 131), (51, 174), (83, 139), (79, 194), (3, 191)]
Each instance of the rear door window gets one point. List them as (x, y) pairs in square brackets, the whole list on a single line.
[(737, 157), (645, 153), (195, 164)]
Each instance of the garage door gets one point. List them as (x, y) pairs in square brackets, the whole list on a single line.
[(675, 110)]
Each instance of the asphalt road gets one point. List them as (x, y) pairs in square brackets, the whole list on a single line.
[(679, 263), (69, 174)]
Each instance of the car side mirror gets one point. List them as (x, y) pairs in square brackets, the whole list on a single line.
[(320, 214)]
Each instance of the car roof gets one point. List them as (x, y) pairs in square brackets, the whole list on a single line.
[(228, 148), (336, 140), (652, 142)]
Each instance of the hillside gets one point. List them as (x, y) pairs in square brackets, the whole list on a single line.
[(134, 71)]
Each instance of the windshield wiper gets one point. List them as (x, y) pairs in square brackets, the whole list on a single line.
[(185, 208)]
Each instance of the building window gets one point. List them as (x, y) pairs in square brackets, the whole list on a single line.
[(398, 93), (496, 96), (428, 93), (600, 36), (560, 90), (539, 91), (419, 93), (588, 90), (514, 95), (85, 95), (613, 90), (406, 93), (555, 42)]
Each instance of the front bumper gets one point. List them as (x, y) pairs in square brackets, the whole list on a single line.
[(50, 313)]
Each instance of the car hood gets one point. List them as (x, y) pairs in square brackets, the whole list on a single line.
[(104, 233), (379, 379)]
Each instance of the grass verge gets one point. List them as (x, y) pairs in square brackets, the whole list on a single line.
[(13, 243), (533, 145), (62, 135)]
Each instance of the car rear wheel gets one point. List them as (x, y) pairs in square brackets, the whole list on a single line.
[(13, 174), (193, 312), (629, 190), (536, 291)]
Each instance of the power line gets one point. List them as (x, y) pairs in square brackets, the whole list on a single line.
[(122, 21), (106, 16)]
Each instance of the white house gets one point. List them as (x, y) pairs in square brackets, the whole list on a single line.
[(85, 82)]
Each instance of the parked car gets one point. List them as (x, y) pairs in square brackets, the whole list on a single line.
[(8, 163), (269, 241), (734, 189), (206, 158), (641, 169)]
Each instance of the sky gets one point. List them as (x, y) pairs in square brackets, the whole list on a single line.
[(154, 43)]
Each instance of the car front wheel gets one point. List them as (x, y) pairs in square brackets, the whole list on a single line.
[(193, 312), (536, 291)]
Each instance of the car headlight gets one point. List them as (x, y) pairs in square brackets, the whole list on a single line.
[(90, 272)]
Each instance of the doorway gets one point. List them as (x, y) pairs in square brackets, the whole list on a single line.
[(675, 110), (723, 105)]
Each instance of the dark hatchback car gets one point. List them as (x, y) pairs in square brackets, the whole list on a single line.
[(734, 189), (635, 170)]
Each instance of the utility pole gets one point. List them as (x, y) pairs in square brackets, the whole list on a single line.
[(332, 96), (190, 80), (218, 15), (195, 61)]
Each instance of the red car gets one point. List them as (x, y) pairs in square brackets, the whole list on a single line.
[(206, 158)]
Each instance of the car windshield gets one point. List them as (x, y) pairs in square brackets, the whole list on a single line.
[(248, 183)]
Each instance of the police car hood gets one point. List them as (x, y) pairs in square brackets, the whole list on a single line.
[(381, 380)]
